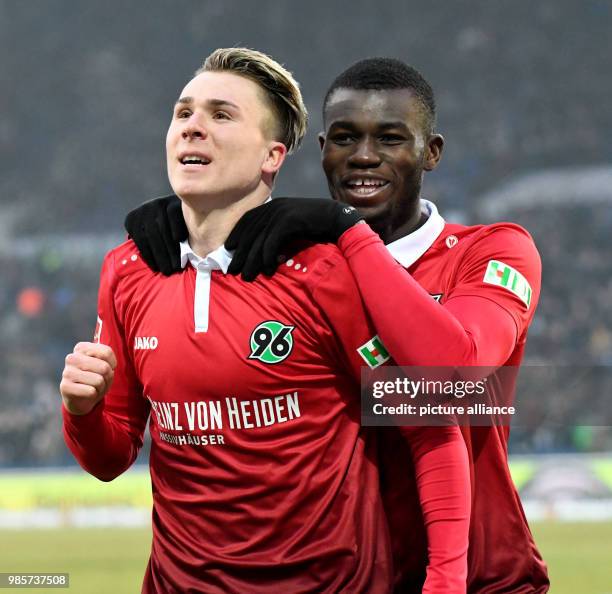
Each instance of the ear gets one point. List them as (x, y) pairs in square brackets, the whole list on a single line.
[(321, 138), (433, 152), (277, 152)]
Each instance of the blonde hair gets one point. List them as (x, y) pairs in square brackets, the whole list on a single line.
[(280, 88)]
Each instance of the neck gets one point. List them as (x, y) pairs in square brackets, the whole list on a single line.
[(399, 223), (416, 220), (209, 222)]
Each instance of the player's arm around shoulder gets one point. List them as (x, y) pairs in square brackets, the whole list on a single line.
[(333, 289)]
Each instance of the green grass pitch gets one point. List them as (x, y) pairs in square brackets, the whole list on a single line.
[(113, 559)]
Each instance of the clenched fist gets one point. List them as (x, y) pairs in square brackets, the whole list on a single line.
[(87, 376)]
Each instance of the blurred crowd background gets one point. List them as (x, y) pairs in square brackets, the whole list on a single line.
[(523, 101)]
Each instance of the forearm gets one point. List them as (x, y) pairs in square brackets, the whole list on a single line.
[(443, 481), (414, 328), (102, 445)]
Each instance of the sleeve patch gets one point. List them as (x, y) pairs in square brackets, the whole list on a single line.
[(374, 352), (505, 276)]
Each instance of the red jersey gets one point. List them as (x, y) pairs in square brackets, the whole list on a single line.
[(486, 282), (262, 477)]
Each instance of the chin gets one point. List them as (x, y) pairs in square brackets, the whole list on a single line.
[(190, 191), (374, 213)]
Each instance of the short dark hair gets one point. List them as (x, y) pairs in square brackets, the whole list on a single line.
[(386, 73)]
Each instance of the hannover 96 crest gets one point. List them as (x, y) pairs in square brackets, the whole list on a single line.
[(271, 342)]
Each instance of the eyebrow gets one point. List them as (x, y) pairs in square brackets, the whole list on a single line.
[(209, 102), (351, 125), (397, 124)]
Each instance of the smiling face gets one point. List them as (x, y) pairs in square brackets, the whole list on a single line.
[(219, 145), (374, 151)]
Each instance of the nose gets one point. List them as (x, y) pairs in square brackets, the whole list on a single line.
[(194, 129), (365, 154)]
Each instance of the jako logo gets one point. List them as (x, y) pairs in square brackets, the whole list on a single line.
[(148, 343)]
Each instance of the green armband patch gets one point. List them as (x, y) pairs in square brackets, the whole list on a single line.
[(505, 276)]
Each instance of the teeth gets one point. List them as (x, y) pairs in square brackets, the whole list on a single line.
[(194, 159), (367, 182)]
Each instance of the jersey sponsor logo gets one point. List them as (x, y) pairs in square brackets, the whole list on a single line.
[(505, 276), (374, 352), (193, 422), (98, 330), (271, 342), (437, 297), (145, 343)]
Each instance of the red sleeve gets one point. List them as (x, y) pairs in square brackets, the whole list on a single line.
[(441, 464), (439, 453), (480, 322), (106, 441)]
